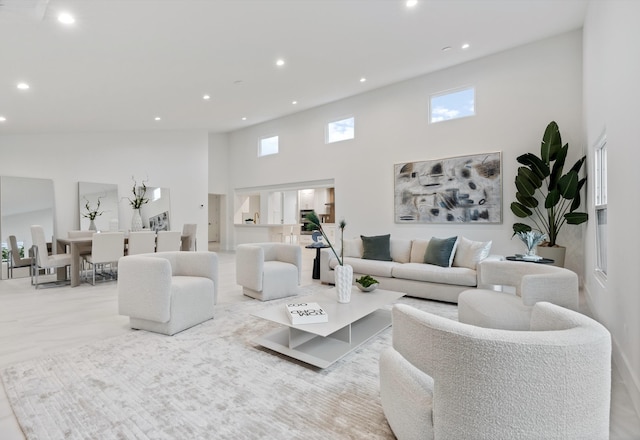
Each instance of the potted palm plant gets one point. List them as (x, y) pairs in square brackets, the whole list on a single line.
[(546, 195)]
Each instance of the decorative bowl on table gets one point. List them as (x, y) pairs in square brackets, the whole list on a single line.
[(366, 283), (369, 288)]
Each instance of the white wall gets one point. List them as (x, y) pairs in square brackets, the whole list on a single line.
[(517, 94), (173, 159), (611, 94), (219, 182)]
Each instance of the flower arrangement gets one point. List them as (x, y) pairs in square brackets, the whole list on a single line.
[(139, 193), (315, 224), (91, 214)]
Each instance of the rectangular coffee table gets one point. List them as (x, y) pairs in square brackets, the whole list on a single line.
[(349, 326)]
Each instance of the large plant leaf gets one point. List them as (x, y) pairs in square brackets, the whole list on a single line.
[(576, 200), (551, 143), (529, 202), (558, 167), (525, 187), (576, 166), (552, 199), (532, 177), (520, 210), (520, 227), (536, 164), (568, 185), (576, 218)]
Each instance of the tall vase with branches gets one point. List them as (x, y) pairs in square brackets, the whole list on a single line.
[(343, 272), (92, 213), (139, 199)]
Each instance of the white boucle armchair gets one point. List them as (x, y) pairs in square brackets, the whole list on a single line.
[(269, 270), (443, 379), (530, 282), (168, 292)]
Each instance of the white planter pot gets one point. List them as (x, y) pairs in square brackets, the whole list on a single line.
[(344, 282), (554, 253)]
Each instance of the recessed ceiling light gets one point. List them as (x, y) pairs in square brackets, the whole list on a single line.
[(363, 79), (157, 118), (206, 97), (66, 18), (294, 102), (244, 118), (23, 86), (411, 3), (3, 119), (465, 46), (280, 62)]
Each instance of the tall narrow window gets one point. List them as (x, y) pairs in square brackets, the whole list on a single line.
[(455, 104), (268, 145), (341, 130), (600, 198)]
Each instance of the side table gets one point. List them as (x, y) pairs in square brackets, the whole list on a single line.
[(541, 261), (316, 260)]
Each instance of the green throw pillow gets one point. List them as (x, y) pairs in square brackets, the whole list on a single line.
[(376, 248), (440, 251)]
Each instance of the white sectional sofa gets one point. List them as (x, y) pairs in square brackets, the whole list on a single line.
[(407, 272)]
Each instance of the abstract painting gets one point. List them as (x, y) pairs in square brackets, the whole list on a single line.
[(159, 222), (463, 189)]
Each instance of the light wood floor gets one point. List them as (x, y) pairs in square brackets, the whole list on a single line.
[(35, 323)]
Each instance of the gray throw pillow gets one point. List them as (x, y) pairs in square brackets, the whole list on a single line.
[(376, 248), (440, 251)]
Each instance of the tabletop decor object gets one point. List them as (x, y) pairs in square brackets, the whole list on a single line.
[(367, 283), (531, 240), (343, 272), (91, 213), (139, 199)]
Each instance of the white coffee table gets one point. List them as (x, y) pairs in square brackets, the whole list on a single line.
[(349, 326)]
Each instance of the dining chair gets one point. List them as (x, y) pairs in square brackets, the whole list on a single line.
[(42, 260), (106, 250), (168, 241), (189, 234), (141, 242), (15, 259)]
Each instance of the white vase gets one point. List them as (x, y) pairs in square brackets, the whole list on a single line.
[(92, 225), (136, 221), (344, 282)]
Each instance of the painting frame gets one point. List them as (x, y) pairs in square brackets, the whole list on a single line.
[(464, 189)]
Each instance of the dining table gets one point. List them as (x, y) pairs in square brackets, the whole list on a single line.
[(77, 247)]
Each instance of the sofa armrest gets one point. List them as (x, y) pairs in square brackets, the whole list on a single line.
[(250, 266), (327, 274), (144, 288), (559, 288)]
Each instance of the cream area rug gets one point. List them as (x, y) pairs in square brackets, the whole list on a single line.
[(209, 382)]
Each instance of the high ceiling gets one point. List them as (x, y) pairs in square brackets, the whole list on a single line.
[(125, 62)]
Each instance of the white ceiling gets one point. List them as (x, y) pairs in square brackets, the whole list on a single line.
[(125, 62)]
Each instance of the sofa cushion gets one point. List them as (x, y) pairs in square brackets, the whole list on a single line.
[(418, 249), (470, 253), (440, 251), (459, 276), (368, 267), (400, 250), (352, 247), (376, 248)]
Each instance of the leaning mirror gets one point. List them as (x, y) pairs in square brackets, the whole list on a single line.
[(156, 212), (24, 201), (98, 202)]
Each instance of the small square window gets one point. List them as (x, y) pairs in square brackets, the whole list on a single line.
[(453, 105), (341, 130), (268, 145)]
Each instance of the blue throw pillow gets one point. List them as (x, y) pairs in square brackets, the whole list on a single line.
[(440, 251), (376, 248)]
